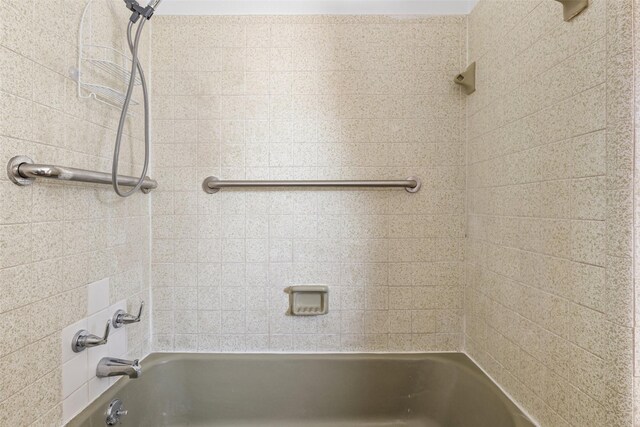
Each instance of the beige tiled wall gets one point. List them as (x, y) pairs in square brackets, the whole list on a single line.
[(549, 307), (549, 295), (308, 98), (56, 238)]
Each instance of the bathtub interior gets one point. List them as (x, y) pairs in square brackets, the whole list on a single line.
[(435, 390)]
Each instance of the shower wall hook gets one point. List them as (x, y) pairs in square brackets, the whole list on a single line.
[(467, 79), (571, 8)]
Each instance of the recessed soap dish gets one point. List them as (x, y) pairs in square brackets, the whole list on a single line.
[(310, 300)]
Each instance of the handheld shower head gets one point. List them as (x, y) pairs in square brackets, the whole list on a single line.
[(146, 12)]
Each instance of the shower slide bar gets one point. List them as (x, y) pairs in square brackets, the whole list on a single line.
[(23, 171), (212, 184)]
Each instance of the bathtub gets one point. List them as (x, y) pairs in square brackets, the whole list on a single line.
[(372, 390)]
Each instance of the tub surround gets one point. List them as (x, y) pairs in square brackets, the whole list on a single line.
[(56, 238), (518, 250), (308, 97), (549, 307)]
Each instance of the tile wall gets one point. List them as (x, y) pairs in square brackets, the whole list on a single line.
[(549, 306), (55, 238), (308, 98), (549, 141)]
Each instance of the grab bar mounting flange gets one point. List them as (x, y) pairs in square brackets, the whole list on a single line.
[(13, 170)]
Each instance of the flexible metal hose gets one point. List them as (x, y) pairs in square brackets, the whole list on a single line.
[(135, 67)]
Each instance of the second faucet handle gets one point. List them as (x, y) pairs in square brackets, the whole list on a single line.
[(83, 339), (121, 317)]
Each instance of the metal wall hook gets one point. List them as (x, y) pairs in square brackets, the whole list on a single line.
[(83, 339), (121, 317), (467, 79), (572, 8)]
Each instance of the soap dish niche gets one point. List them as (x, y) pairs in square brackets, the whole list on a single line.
[(310, 300)]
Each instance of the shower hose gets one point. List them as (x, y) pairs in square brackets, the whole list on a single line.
[(135, 67)]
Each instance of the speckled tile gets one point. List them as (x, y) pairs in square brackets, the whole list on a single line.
[(548, 143), (545, 198), (58, 237)]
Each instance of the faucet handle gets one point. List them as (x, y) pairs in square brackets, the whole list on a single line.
[(121, 317), (83, 339)]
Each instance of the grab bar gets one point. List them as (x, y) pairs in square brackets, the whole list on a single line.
[(22, 171), (213, 184)]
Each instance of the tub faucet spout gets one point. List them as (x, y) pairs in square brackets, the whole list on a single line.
[(114, 367)]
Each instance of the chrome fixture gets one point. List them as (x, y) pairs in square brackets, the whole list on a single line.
[(83, 339), (23, 171), (212, 184), (310, 300), (114, 367), (114, 412), (467, 79), (121, 317), (572, 8)]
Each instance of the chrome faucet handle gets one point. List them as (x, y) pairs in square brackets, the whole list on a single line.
[(121, 317), (83, 339)]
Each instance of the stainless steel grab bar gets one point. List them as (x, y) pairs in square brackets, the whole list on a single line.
[(213, 184), (22, 171)]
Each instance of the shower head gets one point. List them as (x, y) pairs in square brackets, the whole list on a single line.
[(138, 11)]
